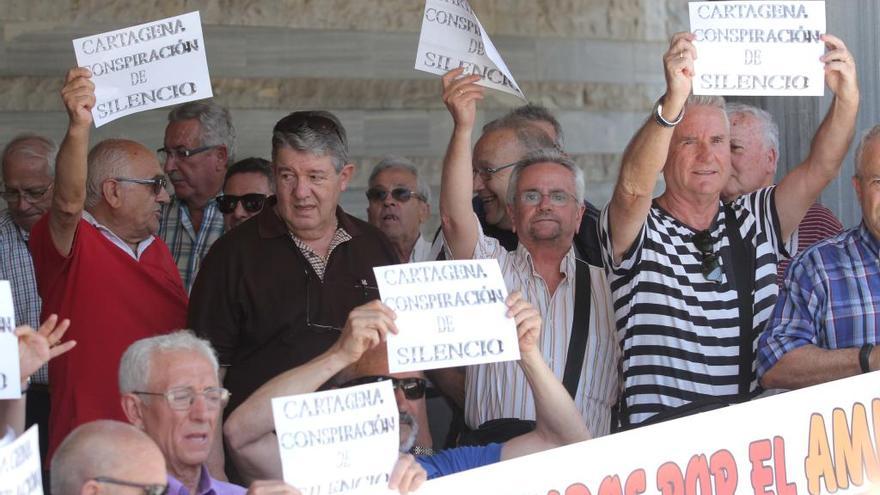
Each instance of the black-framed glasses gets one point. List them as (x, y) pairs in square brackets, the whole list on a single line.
[(31, 194), (534, 198), (158, 183), (316, 120), (252, 203), (413, 388), (401, 194), (181, 153), (487, 172), (367, 292), (711, 265), (182, 398), (148, 489)]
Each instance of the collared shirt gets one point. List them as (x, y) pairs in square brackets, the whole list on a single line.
[(500, 390), (830, 298), (117, 241), (319, 263), (17, 267), (187, 246), (207, 486)]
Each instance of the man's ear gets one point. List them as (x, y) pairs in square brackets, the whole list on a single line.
[(512, 217), (345, 175), (132, 407), (223, 158), (112, 193), (91, 487)]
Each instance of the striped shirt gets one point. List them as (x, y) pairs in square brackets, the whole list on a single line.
[(500, 390), (819, 223), (187, 246), (830, 298), (679, 332), (17, 267)]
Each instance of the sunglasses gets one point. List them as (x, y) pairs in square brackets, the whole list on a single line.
[(157, 183), (412, 388), (147, 489), (711, 268), (252, 203), (401, 194)]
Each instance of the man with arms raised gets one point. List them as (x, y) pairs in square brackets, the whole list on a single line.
[(99, 263), (671, 260)]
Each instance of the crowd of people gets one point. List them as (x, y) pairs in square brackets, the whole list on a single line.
[(647, 309)]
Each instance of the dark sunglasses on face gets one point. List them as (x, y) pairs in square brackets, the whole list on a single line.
[(412, 388), (711, 268), (252, 203), (401, 194)]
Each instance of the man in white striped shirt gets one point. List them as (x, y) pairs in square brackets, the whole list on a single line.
[(545, 204)]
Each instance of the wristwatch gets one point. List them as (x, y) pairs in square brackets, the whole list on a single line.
[(658, 115)]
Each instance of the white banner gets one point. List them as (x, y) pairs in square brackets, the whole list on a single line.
[(453, 37), (10, 370), (20, 469), (148, 66), (758, 48), (339, 441), (449, 313), (818, 440)]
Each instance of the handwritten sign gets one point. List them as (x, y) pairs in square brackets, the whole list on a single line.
[(453, 37), (339, 441), (148, 66), (818, 440), (10, 371), (20, 472), (758, 48), (449, 313)]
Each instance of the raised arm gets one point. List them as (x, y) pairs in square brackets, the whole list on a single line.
[(69, 199), (801, 187), (645, 155), (558, 421), (460, 226), (250, 429)]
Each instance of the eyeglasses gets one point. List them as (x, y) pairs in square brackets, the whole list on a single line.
[(401, 194), (253, 203), (412, 388), (486, 173), (31, 194), (148, 489), (180, 153), (317, 121), (159, 182), (369, 293), (704, 242), (182, 398), (557, 198)]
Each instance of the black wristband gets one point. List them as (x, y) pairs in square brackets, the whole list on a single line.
[(864, 356)]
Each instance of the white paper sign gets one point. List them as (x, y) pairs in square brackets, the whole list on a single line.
[(10, 371), (453, 37), (148, 66), (339, 441), (758, 48), (449, 313), (20, 471)]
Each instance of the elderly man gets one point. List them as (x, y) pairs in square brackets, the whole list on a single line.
[(107, 457), (688, 321), (399, 203), (826, 322), (248, 185), (98, 262), (28, 166), (250, 428), (170, 390), (754, 151), (199, 144), (545, 204)]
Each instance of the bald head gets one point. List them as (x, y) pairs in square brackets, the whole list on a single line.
[(113, 158), (105, 448)]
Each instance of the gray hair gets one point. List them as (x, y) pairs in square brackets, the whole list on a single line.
[(106, 160), (528, 115), (313, 131), (134, 367), (215, 124), (867, 136), (399, 163), (769, 129), (31, 145), (551, 155)]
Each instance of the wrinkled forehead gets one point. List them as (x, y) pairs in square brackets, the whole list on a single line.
[(546, 176), (395, 176)]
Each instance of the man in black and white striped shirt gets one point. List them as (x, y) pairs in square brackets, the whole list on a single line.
[(670, 259)]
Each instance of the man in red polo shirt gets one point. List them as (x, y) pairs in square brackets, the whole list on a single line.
[(97, 262)]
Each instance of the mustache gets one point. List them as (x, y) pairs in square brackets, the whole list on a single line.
[(407, 419)]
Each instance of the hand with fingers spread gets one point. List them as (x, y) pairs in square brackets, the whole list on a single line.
[(407, 475), (460, 94), (36, 348), (271, 487), (528, 324), (678, 64), (367, 326), (78, 95), (840, 69)]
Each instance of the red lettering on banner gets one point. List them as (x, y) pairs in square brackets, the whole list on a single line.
[(669, 479), (635, 482), (697, 473), (783, 487), (723, 467), (762, 475), (610, 486)]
